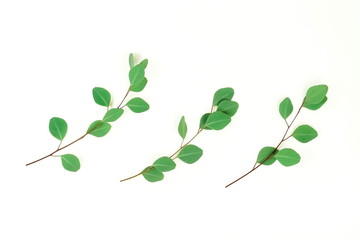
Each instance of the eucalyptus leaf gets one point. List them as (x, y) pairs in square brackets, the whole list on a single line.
[(144, 63), (99, 128), (152, 175), (316, 106), (285, 108), (222, 94), (113, 114), (288, 157), (131, 60), (190, 154), (217, 120), (138, 105), (58, 127), (315, 94), (101, 96), (228, 107), (164, 164), (70, 162), (136, 74), (267, 153), (304, 133), (182, 128)]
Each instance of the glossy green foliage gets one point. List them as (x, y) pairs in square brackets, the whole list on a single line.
[(101, 96), (58, 127), (131, 60), (203, 120), (316, 106), (287, 157), (99, 128), (315, 95), (285, 108), (138, 105), (266, 155), (190, 154), (304, 133), (228, 107), (217, 120), (139, 86), (152, 174), (113, 114), (70, 162), (222, 94), (182, 128), (164, 164)]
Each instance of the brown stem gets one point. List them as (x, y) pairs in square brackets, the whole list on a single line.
[(284, 138), (61, 148)]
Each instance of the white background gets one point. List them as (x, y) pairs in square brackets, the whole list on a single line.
[(52, 53)]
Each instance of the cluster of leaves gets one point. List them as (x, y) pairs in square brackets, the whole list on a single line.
[(99, 128), (223, 108), (314, 99)]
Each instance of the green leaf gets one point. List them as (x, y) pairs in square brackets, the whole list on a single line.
[(152, 175), (139, 86), (203, 120), (304, 133), (101, 96), (70, 162), (136, 74), (182, 128), (265, 153), (164, 164), (138, 105), (218, 120), (113, 115), (99, 128), (58, 128), (316, 106), (131, 60), (228, 107), (223, 94), (287, 157), (190, 154), (285, 108), (315, 94)]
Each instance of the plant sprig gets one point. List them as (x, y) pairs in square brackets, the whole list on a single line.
[(314, 99), (99, 128), (222, 109)]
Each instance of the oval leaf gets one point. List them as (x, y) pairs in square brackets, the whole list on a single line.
[(144, 63), (217, 120), (316, 106), (228, 107), (113, 115), (70, 162), (101, 96), (285, 108), (267, 153), (287, 157), (131, 60), (99, 128), (139, 86), (304, 133), (182, 128), (58, 127), (190, 154), (152, 175), (138, 105), (136, 74), (222, 94), (203, 120), (164, 164), (315, 94)]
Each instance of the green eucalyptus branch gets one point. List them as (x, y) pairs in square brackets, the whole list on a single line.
[(314, 99), (99, 128), (222, 109)]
